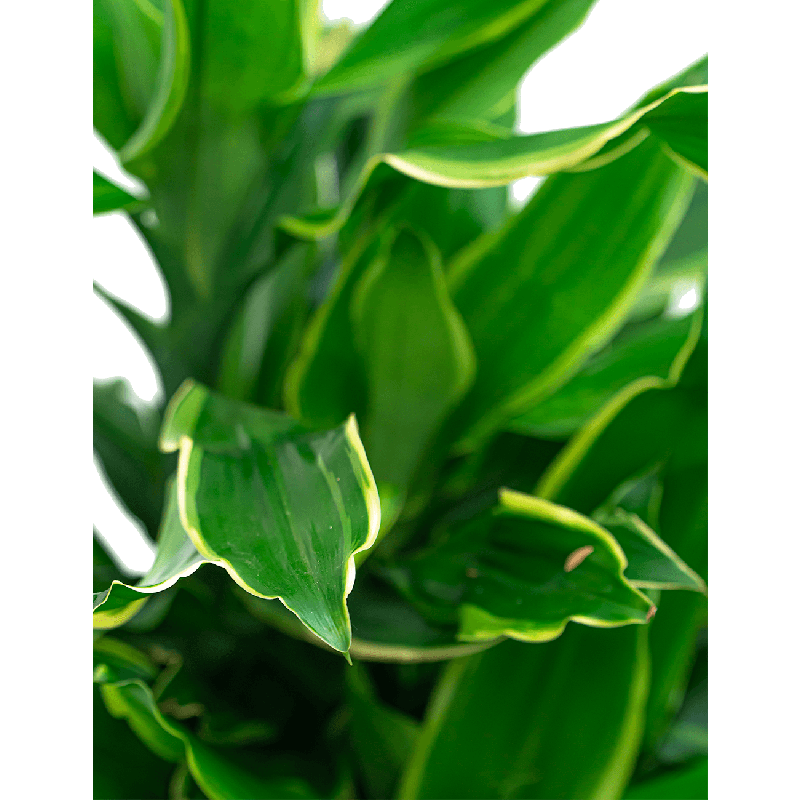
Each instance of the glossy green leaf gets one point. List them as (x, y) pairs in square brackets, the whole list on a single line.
[(110, 197), (648, 351), (652, 564), (579, 268), (481, 83), (417, 354), (218, 776), (524, 570), (281, 508), (688, 783), (552, 721)]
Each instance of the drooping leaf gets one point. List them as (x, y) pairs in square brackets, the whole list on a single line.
[(580, 262), (417, 355), (283, 509), (551, 721), (110, 197), (524, 570), (478, 155)]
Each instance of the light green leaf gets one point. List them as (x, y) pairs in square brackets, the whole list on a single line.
[(552, 721), (281, 508), (648, 351), (687, 783), (417, 355), (218, 777), (580, 262), (652, 563), (524, 570), (110, 197)]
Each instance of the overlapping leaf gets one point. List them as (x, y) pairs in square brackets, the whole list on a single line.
[(281, 508), (649, 351), (524, 570), (583, 247)]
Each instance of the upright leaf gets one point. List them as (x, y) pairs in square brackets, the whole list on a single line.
[(417, 355)]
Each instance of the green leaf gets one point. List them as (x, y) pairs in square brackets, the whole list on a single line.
[(251, 341), (176, 557), (524, 570), (478, 155), (688, 783), (580, 262), (681, 125), (127, 35), (652, 564), (411, 36), (417, 355), (218, 777), (283, 509), (170, 86), (109, 197), (555, 721), (648, 351), (125, 661), (481, 83), (126, 443), (386, 627), (381, 737)]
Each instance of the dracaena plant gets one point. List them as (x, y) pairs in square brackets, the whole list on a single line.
[(458, 447)]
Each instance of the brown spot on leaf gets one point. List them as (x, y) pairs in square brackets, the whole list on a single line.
[(651, 612), (472, 572), (577, 557)]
